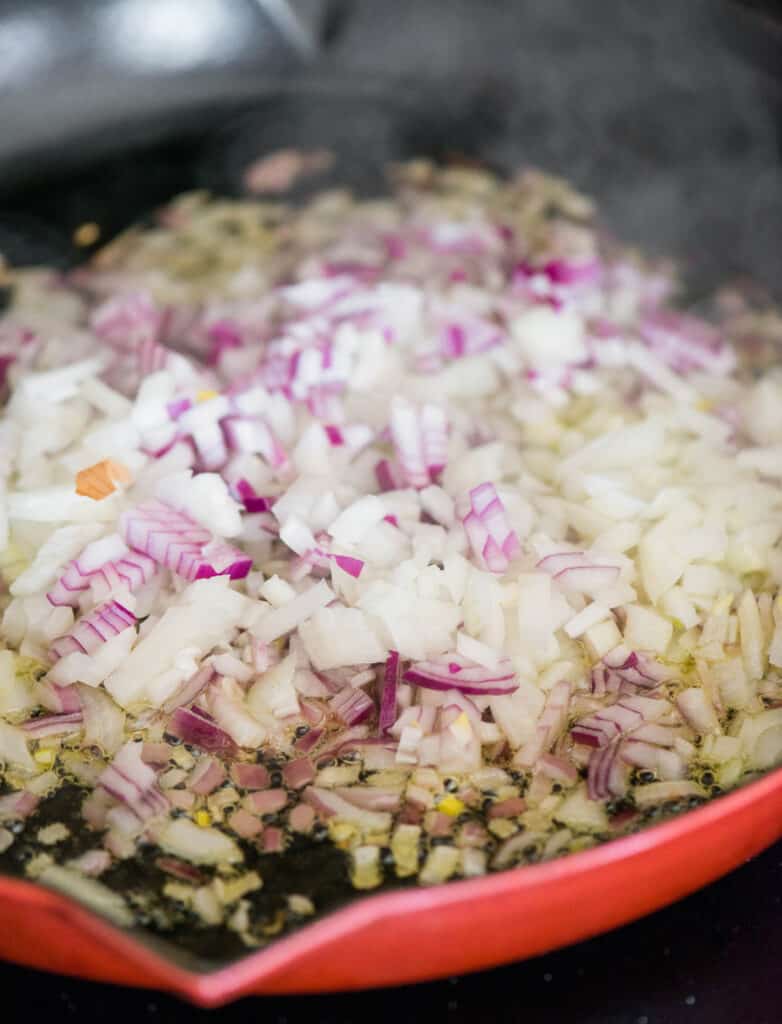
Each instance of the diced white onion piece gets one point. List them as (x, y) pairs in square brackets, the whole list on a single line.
[(698, 710), (203, 497), (335, 637), (16, 696), (104, 721), (204, 614), (289, 616), (64, 544), (277, 591), (61, 384), (585, 619), (416, 627), (14, 751), (275, 693), (660, 792), (602, 638), (229, 708), (547, 337), (731, 679), (60, 504), (93, 669), (677, 606), (438, 504), (517, 713), (183, 838), (353, 523), (94, 894), (475, 651), (646, 630), (753, 642)]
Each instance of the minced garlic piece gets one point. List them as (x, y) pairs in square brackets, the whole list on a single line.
[(366, 872), (301, 905), (441, 863), (404, 847), (53, 834)]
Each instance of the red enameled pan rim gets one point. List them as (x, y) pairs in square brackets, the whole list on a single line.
[(226, 983)]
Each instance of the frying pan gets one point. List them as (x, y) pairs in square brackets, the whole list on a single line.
[(653, 109)]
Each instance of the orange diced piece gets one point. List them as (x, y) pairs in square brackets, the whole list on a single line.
[(100, 480)]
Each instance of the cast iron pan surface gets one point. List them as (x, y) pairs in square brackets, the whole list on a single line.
[(651, 112)]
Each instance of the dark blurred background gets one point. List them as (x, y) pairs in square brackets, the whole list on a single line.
[(670, 113)]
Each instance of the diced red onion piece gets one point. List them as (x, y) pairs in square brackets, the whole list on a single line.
[(181, 544), (391, 680), (207, 776), (181, 798), (252, 436), (453, 672), (343, 742), (420, 437), (640, 754), (273, 840), (312, 712), (198, 728), (17, 806), (605, 725), (60, 699), (439, 824), (249, 776), (372, 798), (245, 824), (509, 808), (557, 768), (329, 804), (389, 476), (127, 320), (266, 801), (298, 773), (180, 869), (352, 706), (157, 754), (422, 718), (103, 623), (190, 689), (308, 741), (559, 561), (686, 343), (252, 501), (54, 725), (301, 818), (606, 776), (579, 571), (491, 538), (352, 566), (124, 568), (94, 808), (134, 783), (220, 559)]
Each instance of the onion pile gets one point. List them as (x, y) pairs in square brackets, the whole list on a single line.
[(428, 527)]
